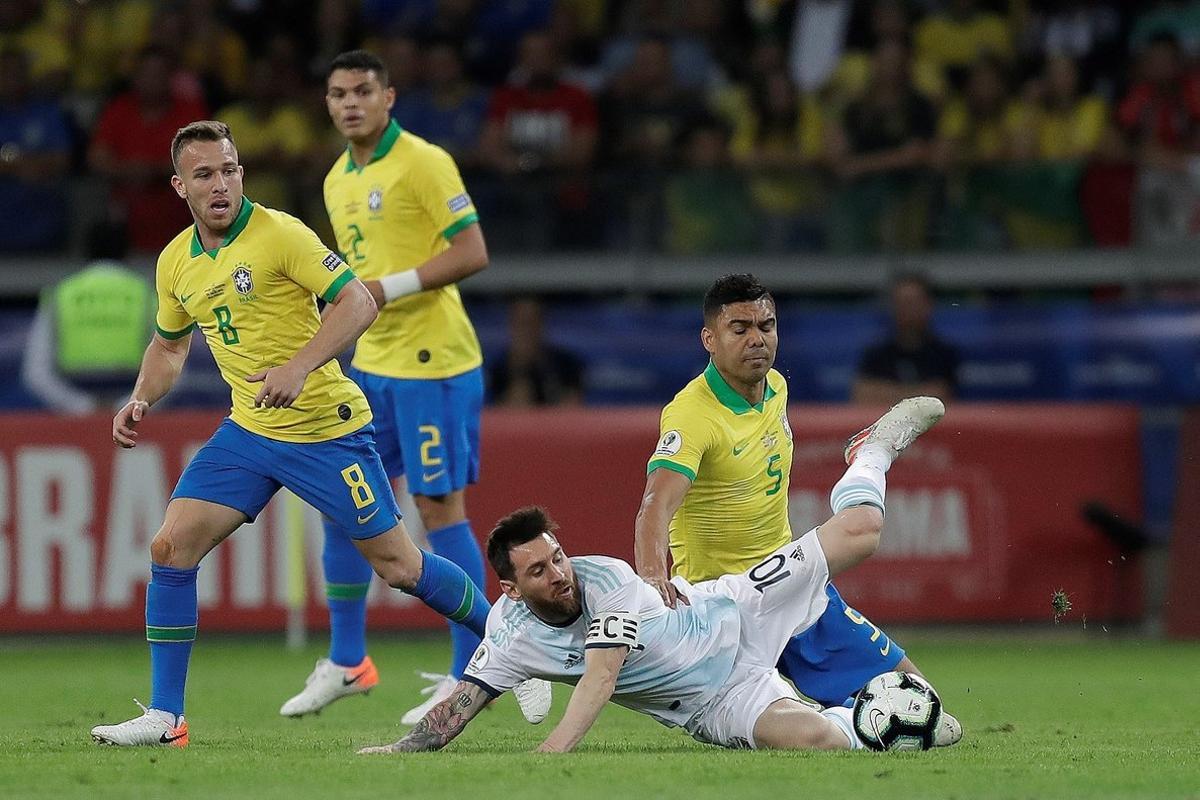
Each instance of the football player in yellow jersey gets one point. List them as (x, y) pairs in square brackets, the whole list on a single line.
[(405, 223), (248, 278), (716, 493)]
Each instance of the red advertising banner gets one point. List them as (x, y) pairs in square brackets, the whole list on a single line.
[(984, 514)]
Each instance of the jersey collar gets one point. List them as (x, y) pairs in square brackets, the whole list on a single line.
[(727, 397), (390, 134), (239, 225)]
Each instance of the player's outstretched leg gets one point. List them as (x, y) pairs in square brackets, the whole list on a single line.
[(347, 669), (869, 454), (191, 528)]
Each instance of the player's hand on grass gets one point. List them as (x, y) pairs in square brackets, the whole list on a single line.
[(667, 590), (376, 290), (126, 420), (280, 386)]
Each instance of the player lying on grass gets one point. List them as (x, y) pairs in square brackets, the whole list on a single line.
[(707, 666)]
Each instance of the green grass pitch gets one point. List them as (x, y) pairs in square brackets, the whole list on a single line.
[(1074, 716)]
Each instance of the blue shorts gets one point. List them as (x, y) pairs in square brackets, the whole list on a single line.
[(427, 430), (342, 478), (836, 657)]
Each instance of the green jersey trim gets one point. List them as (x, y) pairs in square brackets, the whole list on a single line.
[(239, 225), (332, 292), (174, 334), (459, 226), (671, 465), (390, 134), (727, 397)]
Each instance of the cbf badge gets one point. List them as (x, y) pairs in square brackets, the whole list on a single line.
[(375, 199), (787, 429), (243, 281)]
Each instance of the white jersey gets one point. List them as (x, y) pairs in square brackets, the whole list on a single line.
[(678, 661)]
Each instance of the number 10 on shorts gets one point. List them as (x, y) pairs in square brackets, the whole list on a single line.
[(360, 492)]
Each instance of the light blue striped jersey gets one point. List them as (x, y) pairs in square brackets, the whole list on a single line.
[(678, 659)]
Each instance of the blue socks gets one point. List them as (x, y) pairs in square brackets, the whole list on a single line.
[(347, 579), (170, 628), (446, 589), (457, 543)]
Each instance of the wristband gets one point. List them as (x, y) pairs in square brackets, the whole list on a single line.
[(398, 284)]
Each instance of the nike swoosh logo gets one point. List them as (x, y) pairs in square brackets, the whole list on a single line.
[(168, 739), (433, 476), (353, 680), (737, 451), (183, 298), (364, 521)]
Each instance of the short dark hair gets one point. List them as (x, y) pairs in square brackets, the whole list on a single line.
[(359, 61), (204, 130), (737, 288), (521, 526)]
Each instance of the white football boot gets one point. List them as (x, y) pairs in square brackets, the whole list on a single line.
[(439, 689), (899, 427), (329, 682), (534, 697), (949, 731), (153, 728)]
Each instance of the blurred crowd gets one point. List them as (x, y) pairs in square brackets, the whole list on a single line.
[(682, 126)]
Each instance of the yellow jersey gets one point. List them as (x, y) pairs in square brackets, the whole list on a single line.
[(253, 299), (394, 213), (739, 459)]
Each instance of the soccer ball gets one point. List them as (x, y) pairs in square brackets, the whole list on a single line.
[(897, 711)]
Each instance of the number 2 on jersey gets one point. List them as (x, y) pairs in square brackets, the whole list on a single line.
[(354, 243)]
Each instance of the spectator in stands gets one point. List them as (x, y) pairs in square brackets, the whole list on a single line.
[(881, 150), (26, 25), (1088, 33), (449, 110), (708, 207), (1178, 18), (545, 129), (889, 22), (780, 141), (275, 138), (35, 148), (1058, 130), (207, 50), (532, 371), (101, 34), (691, 61), (957, 36), (978, 128), (86, 341), (1160, 118), (131, 146), (645, 110), (912, 360)]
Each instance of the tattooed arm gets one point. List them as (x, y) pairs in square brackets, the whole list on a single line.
[(443, 722)]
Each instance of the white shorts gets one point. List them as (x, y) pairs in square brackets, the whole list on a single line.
[(781, 596)]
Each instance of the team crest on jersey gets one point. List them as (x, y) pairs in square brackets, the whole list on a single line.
[(243, 281), (783, 420), (669, 444), (375, 199)]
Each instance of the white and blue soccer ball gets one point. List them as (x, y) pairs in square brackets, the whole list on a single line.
[(897, 711)]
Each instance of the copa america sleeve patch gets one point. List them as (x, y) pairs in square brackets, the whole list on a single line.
[(669, 444), (332, 262), (617, 629), (458, 202)]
